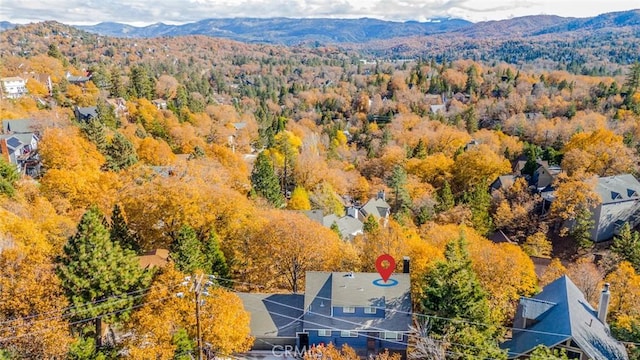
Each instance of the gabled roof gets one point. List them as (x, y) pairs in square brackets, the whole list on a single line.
[(273, 315), (87, 112), (347, 225), (560, 313), (376, 207), (327, 290), (618, 188), (18, 126)]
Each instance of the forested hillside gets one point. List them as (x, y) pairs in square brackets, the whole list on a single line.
[(214, 149)]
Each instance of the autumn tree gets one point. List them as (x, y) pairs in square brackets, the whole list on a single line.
[(538, 245), (265, 182), (587, 277), (299, 199), (286, 247), (100, 278), (600, 152), (33, 306), (476, 165), (158, 326)]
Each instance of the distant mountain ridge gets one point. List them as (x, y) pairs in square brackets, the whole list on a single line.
[(291, 31), (286, 30)]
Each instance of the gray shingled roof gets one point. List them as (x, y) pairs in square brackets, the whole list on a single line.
[(325, 290), (618, 188), (17, 126), (562, 313), (376, 207), (273, 315)]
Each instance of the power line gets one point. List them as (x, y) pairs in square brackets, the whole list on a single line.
[(345, 321), (465, 321)]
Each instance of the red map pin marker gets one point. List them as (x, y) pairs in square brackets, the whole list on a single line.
[(385, 272)]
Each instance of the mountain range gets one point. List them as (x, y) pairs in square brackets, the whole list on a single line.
[(335, 31)]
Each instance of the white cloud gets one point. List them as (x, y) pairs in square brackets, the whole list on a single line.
[(180, 11)]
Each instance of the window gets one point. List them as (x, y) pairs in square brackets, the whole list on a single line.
[(348, 309), (324, 332), (348, 333), (370, 310), (392, 335)]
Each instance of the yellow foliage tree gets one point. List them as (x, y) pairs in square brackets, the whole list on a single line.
[(625, 294), (155, 152), (299, 199), (476, 165), (223, 318), (73, 179), (600, 152), (32, 306)]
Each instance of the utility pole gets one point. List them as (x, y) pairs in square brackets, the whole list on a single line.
[(198, 287)]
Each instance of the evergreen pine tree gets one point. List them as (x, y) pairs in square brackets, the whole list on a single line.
[(94, 131), (187, 252), (398, 182), (445, 198), (627, 245), (106, 114), (101, 278), (119, 230), (479, 201), (420, 151), (265, 182), (120, 153), (215, 259), (8, 177), (452, 291), (581, 230)]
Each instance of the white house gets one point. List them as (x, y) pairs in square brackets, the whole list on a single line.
[(13, 87)]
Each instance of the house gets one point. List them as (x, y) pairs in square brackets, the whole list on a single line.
[(154, 258), (276, 319), (620, 203), (377, 207), (357, 309), (438, 109), (84, 114), (349, 226), (352, 224), (561, 318), (19, 145), (545, 174), (43, 79), (160, 104), (13, 87), (502, 182), (77, 80)]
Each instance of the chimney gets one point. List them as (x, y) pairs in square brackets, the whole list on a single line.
[(603, 306), (4, 150), (381, 195), (405, 264)]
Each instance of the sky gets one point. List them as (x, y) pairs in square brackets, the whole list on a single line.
[(145, 12)]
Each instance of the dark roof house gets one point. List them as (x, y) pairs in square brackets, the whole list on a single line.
[(84, 114), (276, 319), (561, 318)]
